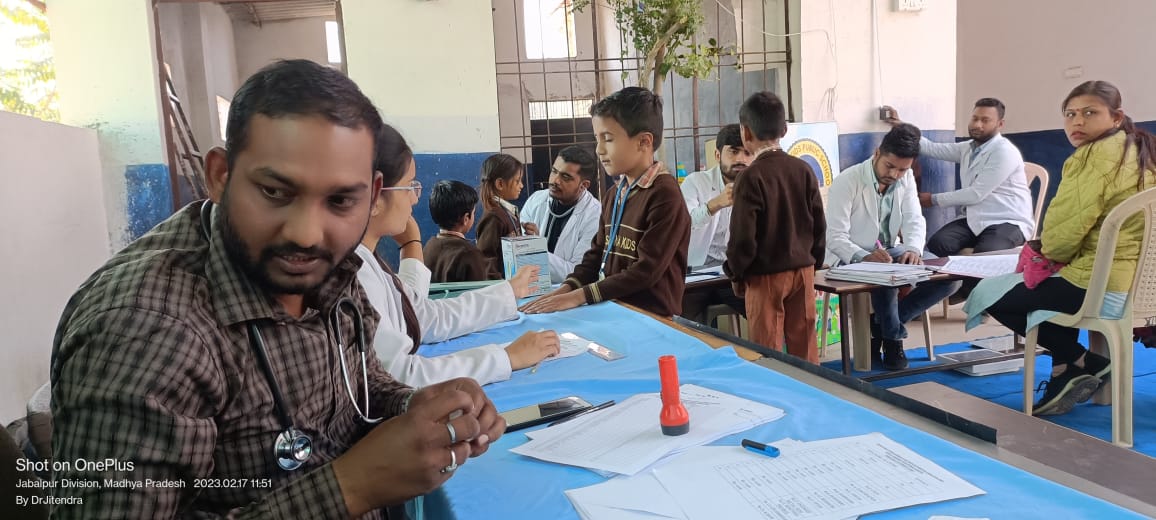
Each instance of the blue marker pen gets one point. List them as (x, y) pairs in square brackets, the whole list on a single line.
[(760, 448)]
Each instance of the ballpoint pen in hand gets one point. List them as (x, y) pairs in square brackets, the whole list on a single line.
[(592, 409)]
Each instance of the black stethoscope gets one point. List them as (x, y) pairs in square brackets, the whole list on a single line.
[(293, 447)]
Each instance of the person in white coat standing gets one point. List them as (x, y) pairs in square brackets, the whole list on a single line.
[(566, 213), (994, 194), (408, 317), (709, 197), (873, 215)]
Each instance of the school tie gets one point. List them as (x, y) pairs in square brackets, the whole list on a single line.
[(412, 327)]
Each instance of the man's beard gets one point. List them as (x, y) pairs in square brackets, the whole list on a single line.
[(258, 270), (980, 137), (730, 174)]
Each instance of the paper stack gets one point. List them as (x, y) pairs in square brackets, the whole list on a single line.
[(626, 438), (980, 266), (892, 275), (831, 479)]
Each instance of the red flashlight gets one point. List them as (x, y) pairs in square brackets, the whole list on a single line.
[(674, 419)]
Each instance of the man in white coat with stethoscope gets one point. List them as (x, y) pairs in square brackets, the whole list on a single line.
[(873, 215), (566, 213), (709, 197)]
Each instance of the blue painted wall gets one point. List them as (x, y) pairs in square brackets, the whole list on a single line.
[(150, 197), (937, 176)]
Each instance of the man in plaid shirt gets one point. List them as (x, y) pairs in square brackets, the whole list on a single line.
[(153, 368)]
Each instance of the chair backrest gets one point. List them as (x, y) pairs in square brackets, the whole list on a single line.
[(1036, 172), (1142, 298)]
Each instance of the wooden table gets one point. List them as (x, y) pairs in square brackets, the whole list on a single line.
[(855, 302)]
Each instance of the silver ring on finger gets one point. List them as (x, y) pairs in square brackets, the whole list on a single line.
[(453, 433), (453, 463)]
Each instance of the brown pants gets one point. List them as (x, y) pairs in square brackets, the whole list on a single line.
[(782, 306)]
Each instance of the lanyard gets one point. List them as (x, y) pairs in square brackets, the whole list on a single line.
[(616, 219)]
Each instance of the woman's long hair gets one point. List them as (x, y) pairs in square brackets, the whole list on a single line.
[(497, 166), (1143, 140)]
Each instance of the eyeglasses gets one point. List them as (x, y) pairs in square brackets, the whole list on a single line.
[(414, 186)]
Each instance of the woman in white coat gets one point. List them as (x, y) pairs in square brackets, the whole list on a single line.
[(409, 317)]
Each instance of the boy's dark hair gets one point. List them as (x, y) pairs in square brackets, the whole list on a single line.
[(587, 166), (449, 200), (902, 141), (636, 109), (765, 115), (298, 88), (993, 103), (730, 135)]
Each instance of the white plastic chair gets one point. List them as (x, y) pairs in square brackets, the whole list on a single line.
[(1139, 309)]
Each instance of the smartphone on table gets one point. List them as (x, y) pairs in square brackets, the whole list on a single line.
[(535, 414)]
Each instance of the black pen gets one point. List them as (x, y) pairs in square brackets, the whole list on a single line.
[(592, 409)]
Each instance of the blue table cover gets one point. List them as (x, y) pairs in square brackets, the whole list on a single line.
[(501, 484)]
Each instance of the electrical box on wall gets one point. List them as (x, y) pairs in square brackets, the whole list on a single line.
[(910, 5)]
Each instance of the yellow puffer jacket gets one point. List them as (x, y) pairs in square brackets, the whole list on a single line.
[(1091, 187)]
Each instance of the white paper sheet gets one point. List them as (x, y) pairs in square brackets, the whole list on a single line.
[(625, 498), (570, 345), (832, 479), (981, 266), (627, 438)]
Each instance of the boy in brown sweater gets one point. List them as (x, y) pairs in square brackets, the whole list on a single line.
[(639, 254), (449, 256), (778, 233)]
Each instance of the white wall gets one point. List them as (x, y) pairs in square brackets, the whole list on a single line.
[(119, 96), (1018, 52), (429, 67), (916, 53), (56, 235), (260, 46), (220, 65)]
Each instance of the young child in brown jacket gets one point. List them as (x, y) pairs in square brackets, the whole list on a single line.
[(778, 233), (639, 254)]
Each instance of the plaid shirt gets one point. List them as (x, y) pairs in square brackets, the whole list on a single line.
[(152, 366)]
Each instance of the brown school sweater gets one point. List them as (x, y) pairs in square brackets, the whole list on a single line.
[(777, 221), (454, 259), (491, 229), (647, 262)]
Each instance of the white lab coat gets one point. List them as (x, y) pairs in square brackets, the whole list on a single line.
[(994, 187), (440, 320), (697, 189), (576, 236), (853, 215)]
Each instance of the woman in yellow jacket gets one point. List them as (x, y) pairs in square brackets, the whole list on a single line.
[(1113, 161)]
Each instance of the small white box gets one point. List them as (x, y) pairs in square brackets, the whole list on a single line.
[(519, 252), (986, 369)]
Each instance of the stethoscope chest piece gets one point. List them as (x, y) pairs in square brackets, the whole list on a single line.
[(292, 448)]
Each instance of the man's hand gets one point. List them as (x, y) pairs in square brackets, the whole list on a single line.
[(555, 302), (739, 288), (722, 200), (925, 200), (491, 425), (893, 116), (878, 255), (909, 257), (533, 347), (530, 228), (522, 280), (403, 457)]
